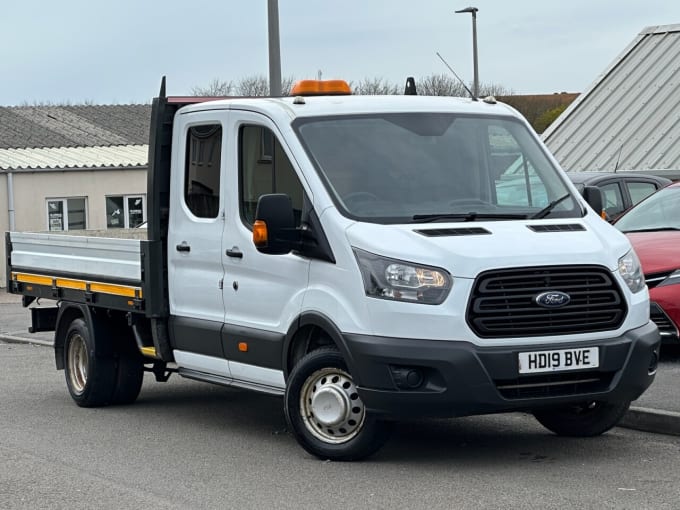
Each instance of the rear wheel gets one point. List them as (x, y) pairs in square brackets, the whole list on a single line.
[(90, 379), (326, 414), (129, 378), (96, 380), (583, 420)]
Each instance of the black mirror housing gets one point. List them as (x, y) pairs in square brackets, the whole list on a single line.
[(593, 196), (276, 211)]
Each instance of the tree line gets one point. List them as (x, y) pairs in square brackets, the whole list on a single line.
[(539, 110), (432, 85)]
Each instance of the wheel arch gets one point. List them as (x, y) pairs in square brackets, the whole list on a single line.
[(308, 332), (104, 328), (68, 312)]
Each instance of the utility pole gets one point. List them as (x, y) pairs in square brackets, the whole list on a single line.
[(473, 11), (274, 48)]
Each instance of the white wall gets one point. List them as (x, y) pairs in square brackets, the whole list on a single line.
[(33, 189)]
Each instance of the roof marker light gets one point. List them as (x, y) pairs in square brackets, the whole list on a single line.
[(321, 88)]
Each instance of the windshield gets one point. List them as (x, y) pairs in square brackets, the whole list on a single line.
[(661, 211), (415, 167)]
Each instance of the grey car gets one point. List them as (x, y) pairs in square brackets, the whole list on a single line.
[(620, 190)]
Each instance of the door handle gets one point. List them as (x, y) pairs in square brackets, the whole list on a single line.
[(235, 253), (183, 247)]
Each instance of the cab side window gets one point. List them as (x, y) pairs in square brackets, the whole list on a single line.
[(202, 170), (264, 168)]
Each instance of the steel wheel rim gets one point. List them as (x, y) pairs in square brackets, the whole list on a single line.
[(77, 363), (330, 406)]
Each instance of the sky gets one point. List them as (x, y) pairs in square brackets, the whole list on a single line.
[(115, 52)]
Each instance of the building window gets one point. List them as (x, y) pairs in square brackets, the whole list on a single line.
[(125, 211), (66, 214)]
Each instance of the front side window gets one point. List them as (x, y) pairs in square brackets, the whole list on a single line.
[(202, 170), (125, 211), (413, 167), (66, 214), (264, 168)]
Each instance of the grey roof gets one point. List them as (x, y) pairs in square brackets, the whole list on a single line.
[(73, 126), (629, 117), (51, 158)]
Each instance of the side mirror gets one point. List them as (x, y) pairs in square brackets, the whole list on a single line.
[(274, 229), (593, 196)]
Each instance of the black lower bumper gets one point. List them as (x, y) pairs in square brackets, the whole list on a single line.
[(427, 378)]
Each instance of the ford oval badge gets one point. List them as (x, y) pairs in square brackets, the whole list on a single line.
[(552, 299)]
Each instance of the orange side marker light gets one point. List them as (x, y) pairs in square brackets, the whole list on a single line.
[(260, 236)]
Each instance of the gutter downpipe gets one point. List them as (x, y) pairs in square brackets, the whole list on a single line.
[(10, 201)]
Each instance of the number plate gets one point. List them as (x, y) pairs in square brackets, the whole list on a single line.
[(552, 361)]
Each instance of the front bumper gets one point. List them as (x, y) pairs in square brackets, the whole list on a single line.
[(458, 378)]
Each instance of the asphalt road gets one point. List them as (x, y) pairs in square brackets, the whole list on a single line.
[(192, 445)]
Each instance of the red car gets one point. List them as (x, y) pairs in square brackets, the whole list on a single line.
[(653, 227)]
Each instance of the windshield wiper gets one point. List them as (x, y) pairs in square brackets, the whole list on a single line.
[(548, 208), (471, 216), (650, 229)]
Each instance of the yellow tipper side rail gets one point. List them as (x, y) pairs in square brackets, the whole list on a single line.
[(132, 294)]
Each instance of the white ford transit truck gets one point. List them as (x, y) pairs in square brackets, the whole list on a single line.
[(368, 258)]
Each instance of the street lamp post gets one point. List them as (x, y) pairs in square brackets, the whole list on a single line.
[(274, 48), (473, 11)]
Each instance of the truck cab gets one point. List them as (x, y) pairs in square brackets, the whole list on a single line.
[(377, 258)]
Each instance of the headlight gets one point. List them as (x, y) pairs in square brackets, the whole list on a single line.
[(402, 281), (631, 271), (671, 279)]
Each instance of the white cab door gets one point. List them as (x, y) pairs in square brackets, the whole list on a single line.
[(262, 293), (195, 232)]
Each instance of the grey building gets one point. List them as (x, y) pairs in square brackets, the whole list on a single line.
[(629, 117)]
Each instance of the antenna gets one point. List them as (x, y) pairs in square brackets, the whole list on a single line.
[(454, 73), (618, 158)]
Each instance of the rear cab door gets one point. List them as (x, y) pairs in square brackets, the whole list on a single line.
[(196, 224)]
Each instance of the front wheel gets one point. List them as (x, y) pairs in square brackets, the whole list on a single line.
[(326, 414), (583, 420)]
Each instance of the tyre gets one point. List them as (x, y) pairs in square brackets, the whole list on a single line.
[(129, 378), (91, 380), (585, 420), (325, 413)]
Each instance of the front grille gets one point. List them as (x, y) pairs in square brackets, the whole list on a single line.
[(503, 302), (652, 280), (554, 385), (667, 329)]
